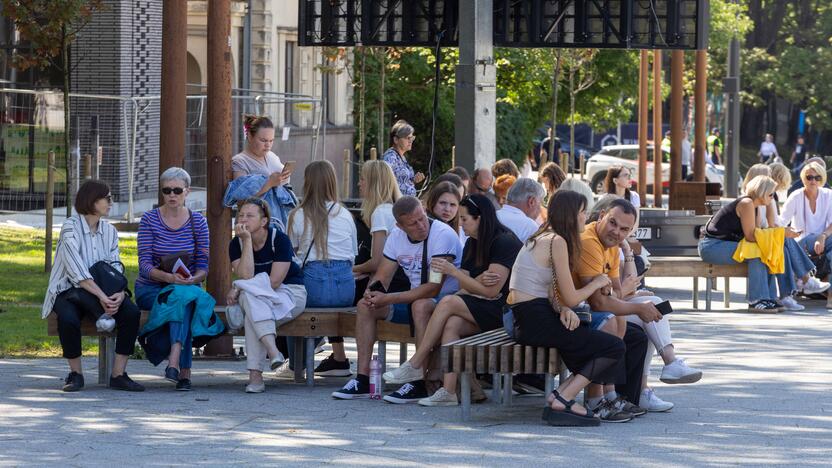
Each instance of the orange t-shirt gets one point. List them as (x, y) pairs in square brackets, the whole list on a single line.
[(595, 259)]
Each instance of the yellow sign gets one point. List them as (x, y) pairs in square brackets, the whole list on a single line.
[(306, 106)]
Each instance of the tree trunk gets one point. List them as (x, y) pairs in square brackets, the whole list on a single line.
[(555, 87), (67, 160)]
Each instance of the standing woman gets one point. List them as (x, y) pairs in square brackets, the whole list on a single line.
[(257, 158), (617, 182), (542, 295), (476, 308), (324, 235), (166, 233), (401, 141), (72, 293), (551, 176), (259, 248)]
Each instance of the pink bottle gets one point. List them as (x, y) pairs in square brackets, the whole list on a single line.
[(375, 378)]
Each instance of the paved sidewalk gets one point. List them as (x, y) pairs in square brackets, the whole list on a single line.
[(764, 400)]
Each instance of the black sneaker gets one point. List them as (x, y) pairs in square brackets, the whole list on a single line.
[(410, 392), (608, 412), (352, 390), (183, 385), (331, 367), (73, 382), (172, 374), (628, 407), (124, 382)]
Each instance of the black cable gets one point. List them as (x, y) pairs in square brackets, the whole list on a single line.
[(438, 56)]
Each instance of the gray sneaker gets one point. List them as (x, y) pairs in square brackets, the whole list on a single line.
[(628, 407), (608, 412)]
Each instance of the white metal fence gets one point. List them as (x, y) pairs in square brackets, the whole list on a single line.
[(116, 139)]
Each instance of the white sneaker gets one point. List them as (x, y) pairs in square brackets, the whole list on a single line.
[(815, 286), (283, 372), (790, 304), (277, 361), (652, 403), (440, 398), (256, 388), (677, 372), (403, 374)]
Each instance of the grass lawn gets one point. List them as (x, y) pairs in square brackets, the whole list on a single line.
[(22, 287)]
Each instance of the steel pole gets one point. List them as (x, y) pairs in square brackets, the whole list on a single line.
[(219, 157), (732, 131), (657, 128), (643, 106), (677, 93), (700, 114), (174, 80)]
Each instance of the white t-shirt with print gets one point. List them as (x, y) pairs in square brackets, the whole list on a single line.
[(442, 241), (382, 219)]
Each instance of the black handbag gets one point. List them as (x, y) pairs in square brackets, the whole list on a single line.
[(109, 279)]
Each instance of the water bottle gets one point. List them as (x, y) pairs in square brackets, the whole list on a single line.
[(375, 378)]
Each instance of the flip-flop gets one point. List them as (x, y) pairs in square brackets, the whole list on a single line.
[(567, 417)]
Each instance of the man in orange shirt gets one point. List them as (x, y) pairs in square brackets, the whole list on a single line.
[(600, 255)]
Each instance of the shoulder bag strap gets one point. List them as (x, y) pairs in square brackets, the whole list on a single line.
[(312, 242), (425, 264), (553, 297)]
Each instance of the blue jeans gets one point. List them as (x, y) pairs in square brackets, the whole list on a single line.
[(328, 284), (808, 245), (797, 265), (180, 332), (761, 284)]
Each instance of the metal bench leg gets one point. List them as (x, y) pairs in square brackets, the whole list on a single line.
[(550, 384), (310, 361), (382, 355), (507, 385), (296, 360), (465, 389), (709, 281), (496, 387), (696, 292), (727, 297), (402, 352), (106, 357)]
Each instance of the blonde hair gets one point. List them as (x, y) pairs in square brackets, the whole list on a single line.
[(813, 166), (781, 174), (754, 171), (380, 187), (320, 185), (760, 187)]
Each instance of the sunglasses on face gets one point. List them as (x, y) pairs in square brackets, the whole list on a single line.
[(174, 190), (816, 178)]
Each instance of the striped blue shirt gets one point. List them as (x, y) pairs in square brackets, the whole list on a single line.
[(156, 240)]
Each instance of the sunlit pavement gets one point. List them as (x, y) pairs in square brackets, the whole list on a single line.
[(764, 399)]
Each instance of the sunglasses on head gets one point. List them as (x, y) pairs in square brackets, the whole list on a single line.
[(816, 178), (175, 190)]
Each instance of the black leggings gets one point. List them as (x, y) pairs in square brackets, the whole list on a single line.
[(596, 355), (69, 325)]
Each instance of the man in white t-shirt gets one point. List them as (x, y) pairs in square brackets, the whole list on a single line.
[(522, 208), (405, 247)]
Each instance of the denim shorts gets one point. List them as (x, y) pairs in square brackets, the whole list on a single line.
[(400, 313), (599, 319)]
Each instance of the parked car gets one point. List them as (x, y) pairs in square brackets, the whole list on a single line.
[(627, 155)]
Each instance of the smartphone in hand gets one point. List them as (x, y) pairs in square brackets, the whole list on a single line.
[(664, 307)]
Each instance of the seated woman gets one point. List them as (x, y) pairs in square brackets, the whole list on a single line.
[(503, 167), (476, 307), (809, 211), (737, 221), (324, 236), (542, 297), (258, 159), (443, 204), (166, 234), (72, 294), (259, 249), (501, 187), (454, 179)]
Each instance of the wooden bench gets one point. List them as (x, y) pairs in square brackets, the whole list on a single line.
[(694, 267), (312, 323), (495, 353)]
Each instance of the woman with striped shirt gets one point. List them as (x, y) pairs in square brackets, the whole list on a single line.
[(167, 231), (72, 293)]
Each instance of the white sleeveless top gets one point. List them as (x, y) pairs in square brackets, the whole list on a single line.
[(528, 277)]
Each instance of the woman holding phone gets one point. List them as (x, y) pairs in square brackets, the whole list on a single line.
[(258, 158)]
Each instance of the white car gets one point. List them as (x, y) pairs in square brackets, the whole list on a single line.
[(627, 156)]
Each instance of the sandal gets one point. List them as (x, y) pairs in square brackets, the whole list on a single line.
[(567, 417)]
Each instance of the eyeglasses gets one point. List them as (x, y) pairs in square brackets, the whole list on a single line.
[(174, 190), (816, 178)]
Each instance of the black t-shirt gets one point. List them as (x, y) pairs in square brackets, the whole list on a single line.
[(264, 257), (504, 250)]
